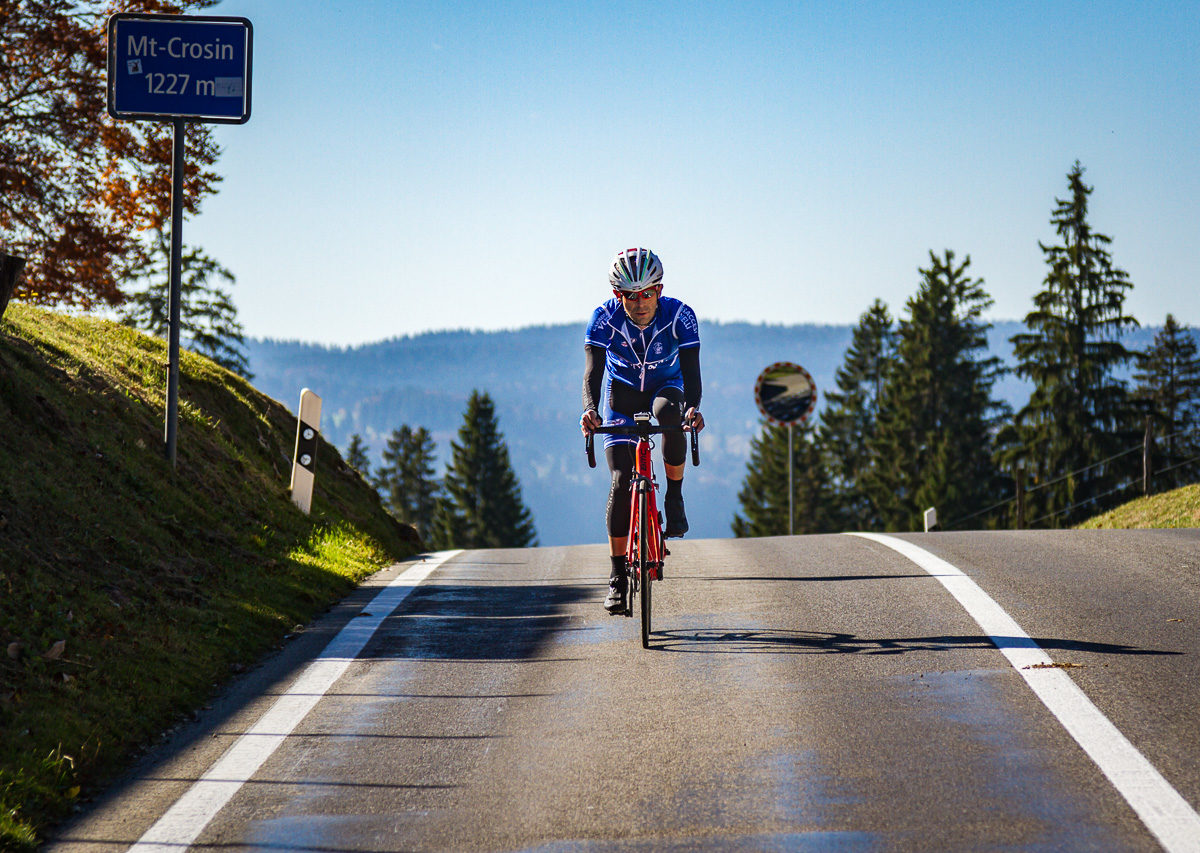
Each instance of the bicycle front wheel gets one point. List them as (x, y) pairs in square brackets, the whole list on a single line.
[(643, 568)]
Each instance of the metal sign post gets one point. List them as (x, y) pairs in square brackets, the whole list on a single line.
[(176, 287), (178, 68), (791, 484), (786, 396)]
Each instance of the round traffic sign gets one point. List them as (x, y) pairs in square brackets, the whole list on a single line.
[(785, 393)]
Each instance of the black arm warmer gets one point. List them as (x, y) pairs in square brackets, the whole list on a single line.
[(593, 375), (689, 365)]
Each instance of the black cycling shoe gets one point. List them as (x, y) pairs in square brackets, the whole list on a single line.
[(614, 602), (676, 518)]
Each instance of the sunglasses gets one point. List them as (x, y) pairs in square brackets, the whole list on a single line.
[(640, 296)]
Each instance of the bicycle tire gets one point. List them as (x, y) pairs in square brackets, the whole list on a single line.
[(644, 561)]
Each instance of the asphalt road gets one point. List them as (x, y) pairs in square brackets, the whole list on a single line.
[(808, 693)]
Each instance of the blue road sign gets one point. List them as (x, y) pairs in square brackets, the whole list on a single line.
[(179, 66)]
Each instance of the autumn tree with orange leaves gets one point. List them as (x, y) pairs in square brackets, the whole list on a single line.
[(80, 191)]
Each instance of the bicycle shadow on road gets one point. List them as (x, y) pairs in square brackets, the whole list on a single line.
[(767, 641)]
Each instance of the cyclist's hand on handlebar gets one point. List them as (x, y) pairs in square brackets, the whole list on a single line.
[(694, 420), (589, 420)]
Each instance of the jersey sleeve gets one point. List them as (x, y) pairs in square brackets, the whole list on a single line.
[(687, 330), (598, 331), (593, 376)]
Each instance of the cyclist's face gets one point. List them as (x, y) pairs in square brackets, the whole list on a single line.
[(640, 307)]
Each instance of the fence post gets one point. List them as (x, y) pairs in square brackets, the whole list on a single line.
[(10, 271)]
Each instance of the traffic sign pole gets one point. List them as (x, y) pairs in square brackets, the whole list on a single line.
[(176, 287), (791, 486)]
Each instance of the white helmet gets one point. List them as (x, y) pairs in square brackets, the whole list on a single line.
[(634, 270)]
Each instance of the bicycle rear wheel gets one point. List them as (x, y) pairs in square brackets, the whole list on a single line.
[(643, 567)]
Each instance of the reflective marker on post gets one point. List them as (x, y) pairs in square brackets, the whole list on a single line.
[(308, 424)]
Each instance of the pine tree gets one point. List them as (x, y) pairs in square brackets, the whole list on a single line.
[(848, 417), (207, 317), (445, 531), (1079, 414), (764, 493), (1168, 380), (406, 478), (356, 456), (932, 443), (483, 507)]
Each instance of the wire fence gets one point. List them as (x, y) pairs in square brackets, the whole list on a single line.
[(1132, 481)]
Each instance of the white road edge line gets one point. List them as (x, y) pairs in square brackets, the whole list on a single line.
[(1161, 808), (181, 824)]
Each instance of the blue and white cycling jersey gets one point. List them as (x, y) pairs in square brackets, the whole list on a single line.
[(647, 359)]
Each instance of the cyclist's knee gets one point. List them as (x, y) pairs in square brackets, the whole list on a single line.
[(620, 460), (620, 481), (620, 463), (618, 502), (668, 410)]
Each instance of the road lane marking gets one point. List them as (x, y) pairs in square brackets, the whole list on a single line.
[(1161, 808), (181, 824)]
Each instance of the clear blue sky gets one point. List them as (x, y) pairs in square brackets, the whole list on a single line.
[(414, 166)]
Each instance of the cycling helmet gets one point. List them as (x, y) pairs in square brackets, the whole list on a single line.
[(634, 270)]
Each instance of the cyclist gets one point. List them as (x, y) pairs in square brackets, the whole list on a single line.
[(642, 350)]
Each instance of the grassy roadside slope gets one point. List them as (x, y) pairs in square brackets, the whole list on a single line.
[(1177, 508), (129, 591)]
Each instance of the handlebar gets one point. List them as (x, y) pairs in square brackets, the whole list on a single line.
[(642, 429)]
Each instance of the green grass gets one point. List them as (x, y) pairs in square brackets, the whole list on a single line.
[(129, 591), (1177, 508)]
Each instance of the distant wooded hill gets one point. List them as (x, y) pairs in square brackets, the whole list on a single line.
[(534, 376)]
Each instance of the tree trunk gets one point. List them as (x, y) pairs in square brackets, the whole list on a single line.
[(1146, 442), (10, 271)]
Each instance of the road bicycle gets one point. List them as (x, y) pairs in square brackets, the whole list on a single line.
[(646, 546)]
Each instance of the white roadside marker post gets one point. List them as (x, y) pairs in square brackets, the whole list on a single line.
[(308, 424), (931, 519)]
